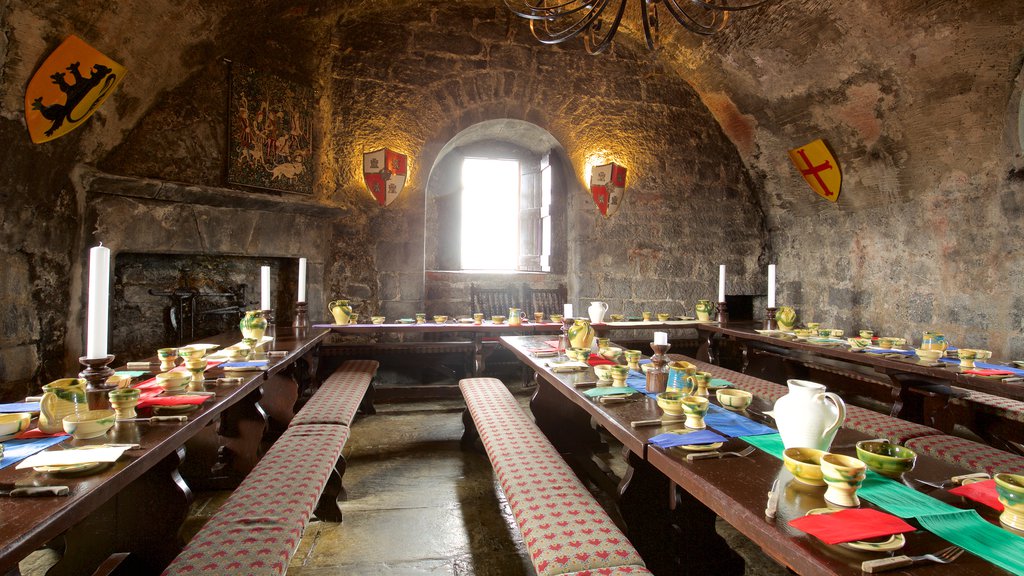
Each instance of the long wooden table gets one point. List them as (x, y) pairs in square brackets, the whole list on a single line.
[(137, 505), (674, 529)]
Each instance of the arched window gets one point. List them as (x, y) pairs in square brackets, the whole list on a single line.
[(497, 204)]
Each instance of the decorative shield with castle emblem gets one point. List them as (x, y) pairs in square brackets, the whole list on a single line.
[(69, 86), (385, 172), (608, 185), (819, 168)]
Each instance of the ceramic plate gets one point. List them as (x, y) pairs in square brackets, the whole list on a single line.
[(406, 321), (174, 410), (244, 368), (465, 320), (80, 469), (685, 318), (695, 447), (885, 544), (202, 346)]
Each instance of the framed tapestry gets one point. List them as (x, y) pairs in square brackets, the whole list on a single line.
[(270, 132)]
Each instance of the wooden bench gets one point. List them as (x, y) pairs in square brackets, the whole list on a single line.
[(971, 455), (564, 528)]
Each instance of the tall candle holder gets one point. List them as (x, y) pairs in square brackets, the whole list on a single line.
[(769, 318), (657, 377), (271, 324), (723, 313), (300, 323), (95, 374)]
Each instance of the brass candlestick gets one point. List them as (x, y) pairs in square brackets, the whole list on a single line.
[(657, 377), (300, 323), (95, 374), (723, 313), (769, 318)]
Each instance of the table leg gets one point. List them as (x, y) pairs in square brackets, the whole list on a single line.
[(565, 424), (280, 392), (672, 530), (142, 520), (220, 456)]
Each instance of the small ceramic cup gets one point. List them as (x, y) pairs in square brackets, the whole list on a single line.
[(663, 317), (813, 325), (843, 475), (440, 319), (377, 319), (967, 357), (538, 317), (619, 374), (824, 333), (633, 359), (646, 316), (124, 401), (616, 317), (603, 342), (498, 319), (700, 381), (695, 407), (478, 318), (866, 333), (168, 358), (1010, 490), (886, 343), (421, 317), (836, 333), (556, 318)]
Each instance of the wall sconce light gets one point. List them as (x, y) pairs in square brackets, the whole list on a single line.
[(385, 172), (608, 186)]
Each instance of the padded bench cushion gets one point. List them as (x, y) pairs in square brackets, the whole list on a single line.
[(885, 426), (968, 454), (564, 528), (761, 388), (990, 404), (259, 527), (338, 398), (615, 571)]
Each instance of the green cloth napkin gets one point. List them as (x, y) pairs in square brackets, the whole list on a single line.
[(608, 390), (719, 383), (131, 373), (965, 528)]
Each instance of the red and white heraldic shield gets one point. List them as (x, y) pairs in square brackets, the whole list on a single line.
[(608, 185), (385, 172)]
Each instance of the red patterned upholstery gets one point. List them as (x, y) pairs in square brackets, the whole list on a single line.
[(970, 455), (258, 528), (997, 406), (615, 571), (761, 388), (884, 426), (338, 399), (564, 528)]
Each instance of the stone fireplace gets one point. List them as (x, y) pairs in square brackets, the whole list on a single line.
[(186, 259)]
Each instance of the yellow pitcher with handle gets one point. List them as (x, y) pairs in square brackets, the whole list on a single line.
[(341, 310), (60, 398)]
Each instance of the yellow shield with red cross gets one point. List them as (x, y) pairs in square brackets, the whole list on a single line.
[(69, 86), (819, 168)]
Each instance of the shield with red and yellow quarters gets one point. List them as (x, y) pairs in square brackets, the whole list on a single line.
[(67, 88), (385, 172), (819, 168), (608, 186)]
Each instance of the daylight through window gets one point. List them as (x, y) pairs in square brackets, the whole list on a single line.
[(490, 214)]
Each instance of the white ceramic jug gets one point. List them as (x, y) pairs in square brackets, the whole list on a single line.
[(596, 312), (809, 417)]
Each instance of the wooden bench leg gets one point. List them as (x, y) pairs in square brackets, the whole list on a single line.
[(366, 404), (470, 437), (327, 508)]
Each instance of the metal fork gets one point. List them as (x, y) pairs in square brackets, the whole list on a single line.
[(944, 556), (708, 455)]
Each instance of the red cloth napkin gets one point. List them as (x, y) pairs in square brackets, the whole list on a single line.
[(989, 372), (851, 525), (595, 360), (984, 492), (36, 433), (154, 400), (552, 343)]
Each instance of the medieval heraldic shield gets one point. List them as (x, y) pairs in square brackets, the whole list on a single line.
[(385, 172), (608, 185), (819, 168)]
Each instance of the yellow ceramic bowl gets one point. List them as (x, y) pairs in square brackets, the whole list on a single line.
[(1010, 490), (12, 424), (377, 319), (498, 319), (735, 399), (928, 355), (611, 352), (89, 424), (671, 403), (173, 380), (804, 464), (440, 319), (603, 372)]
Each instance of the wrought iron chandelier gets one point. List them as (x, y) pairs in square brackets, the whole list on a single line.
[(556, 21)]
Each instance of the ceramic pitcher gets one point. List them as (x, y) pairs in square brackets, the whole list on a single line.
[(253, 325), (581, 334), (704, 309), (342, 311), (60, 398), (809, 417), (597, 311)]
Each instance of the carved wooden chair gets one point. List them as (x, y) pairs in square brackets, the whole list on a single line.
[(492, 301), (547, 300)]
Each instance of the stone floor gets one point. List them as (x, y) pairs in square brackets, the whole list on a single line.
[(419, 505)]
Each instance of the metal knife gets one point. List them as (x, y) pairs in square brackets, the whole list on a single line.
[(31, 491), (773, 500), (156, 419)]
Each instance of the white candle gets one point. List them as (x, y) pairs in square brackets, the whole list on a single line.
[(771, 285), (721, 283), (99, 295), (661, 337), (567, 310), (302, 280), (264, 287)]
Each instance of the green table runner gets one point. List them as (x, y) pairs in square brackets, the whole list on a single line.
[(965, 528)]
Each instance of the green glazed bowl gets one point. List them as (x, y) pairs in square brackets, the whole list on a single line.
[(1010, 489), (671, 403), (885, 458)]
